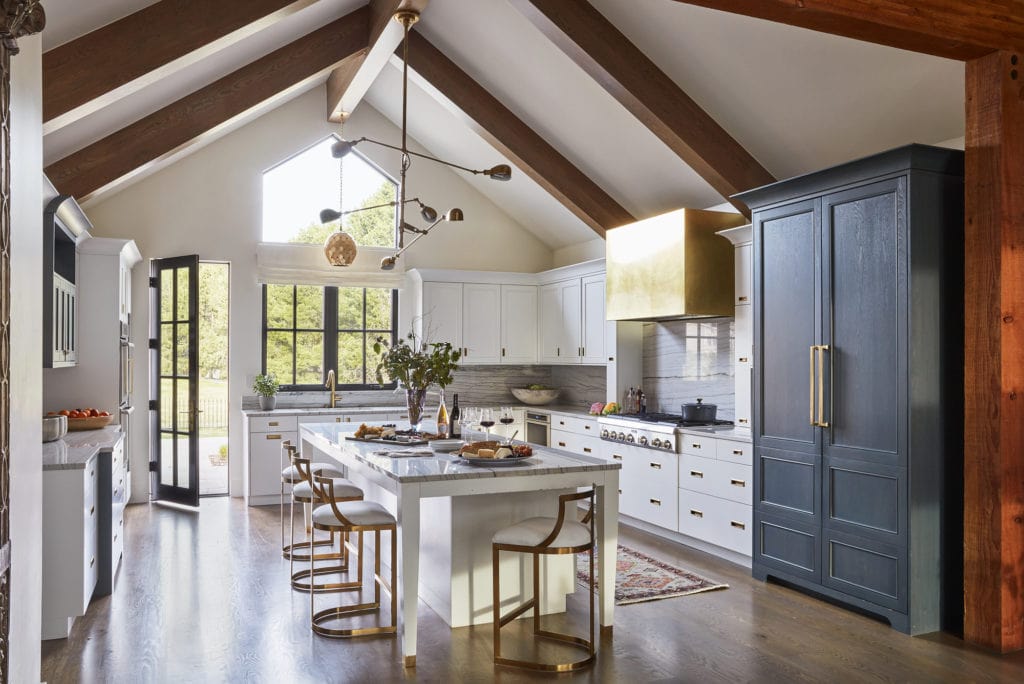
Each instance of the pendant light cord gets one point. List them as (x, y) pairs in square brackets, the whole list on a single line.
[(341, 179), (406, 161)]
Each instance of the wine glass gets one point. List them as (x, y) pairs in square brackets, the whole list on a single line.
[(506, 419), (487, 420), (469, 419)]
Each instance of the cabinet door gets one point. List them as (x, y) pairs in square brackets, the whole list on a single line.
[(481, 324), (518, 324), (744, 274), (71, 325), (265, 462), (865, 309), (550, 320), (442, 313), (594, 325), (572, 321), (787, 325)]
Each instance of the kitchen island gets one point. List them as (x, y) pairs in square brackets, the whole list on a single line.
[(447, 511)]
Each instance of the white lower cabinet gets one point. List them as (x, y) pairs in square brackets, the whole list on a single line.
[(719, 521), (263, 477)]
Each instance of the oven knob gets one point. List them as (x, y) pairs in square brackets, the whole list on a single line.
[(656, 443), (667, 445), (621, 436), (629, 438), (643, 440), (604, 434)]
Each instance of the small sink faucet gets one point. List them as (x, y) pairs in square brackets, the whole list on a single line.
[(330, 385)]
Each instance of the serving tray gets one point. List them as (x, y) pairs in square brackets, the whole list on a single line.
[(394, 442)]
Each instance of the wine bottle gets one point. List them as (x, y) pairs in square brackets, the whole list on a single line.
[(455, 430), (442, 418)]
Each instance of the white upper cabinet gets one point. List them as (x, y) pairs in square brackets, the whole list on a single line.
[(481, 325), (594, 326), (442, 313), (552, 335), (519, 323), (744, 274)]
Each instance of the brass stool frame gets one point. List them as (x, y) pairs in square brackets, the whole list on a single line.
[(289, 550), (545, 548), (305, 580), (346, 526)]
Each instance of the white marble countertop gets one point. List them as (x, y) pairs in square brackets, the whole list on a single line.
[(77, 449), (322, 410), (739, 434), (545, 461)]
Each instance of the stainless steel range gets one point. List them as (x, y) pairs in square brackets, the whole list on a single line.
[(659, 431)]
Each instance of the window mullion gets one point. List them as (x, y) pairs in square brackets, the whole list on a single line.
[(330, 324)]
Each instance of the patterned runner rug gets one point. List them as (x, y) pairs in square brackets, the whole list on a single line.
[(642, 578)]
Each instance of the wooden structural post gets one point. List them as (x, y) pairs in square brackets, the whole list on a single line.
[(994, 353)]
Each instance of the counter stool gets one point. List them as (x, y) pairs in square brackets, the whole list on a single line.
[(304, 493), (291, 477), (359, 517), (549, 536)]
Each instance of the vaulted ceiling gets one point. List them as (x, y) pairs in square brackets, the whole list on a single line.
[(599, 132)]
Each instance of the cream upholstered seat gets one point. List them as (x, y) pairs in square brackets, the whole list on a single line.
[(538, 537), (346, 518), (358, 513), (343, 488), (291, 474), (533, 531)]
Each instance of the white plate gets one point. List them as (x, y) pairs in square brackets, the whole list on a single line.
[(445, 445)]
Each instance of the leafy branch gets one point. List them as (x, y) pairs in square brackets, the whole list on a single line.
[(416, 364)]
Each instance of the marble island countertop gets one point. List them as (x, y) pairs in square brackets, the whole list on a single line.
[(321, 410), (442, 466), (77, 449)]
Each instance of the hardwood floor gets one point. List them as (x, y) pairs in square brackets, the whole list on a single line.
[(204, 597)]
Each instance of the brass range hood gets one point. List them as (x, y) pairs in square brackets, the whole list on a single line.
[(671, 266)]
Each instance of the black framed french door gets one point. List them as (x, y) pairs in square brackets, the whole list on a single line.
[(174, 379)]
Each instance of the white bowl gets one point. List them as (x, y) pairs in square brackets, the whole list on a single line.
[(445, 445), (535, 397)]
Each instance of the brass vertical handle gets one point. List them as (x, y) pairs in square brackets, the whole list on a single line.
[(810, 391), (821, 385)]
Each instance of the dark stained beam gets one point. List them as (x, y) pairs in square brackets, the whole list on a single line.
[(523, 146), (347, 86), (994, 354), (177, 125), (93, 65), (622, 69), (956, 29)]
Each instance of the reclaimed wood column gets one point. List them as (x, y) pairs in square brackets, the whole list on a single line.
[(994, 353)]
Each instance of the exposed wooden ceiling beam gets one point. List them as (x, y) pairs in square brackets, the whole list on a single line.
[(600, 49), (347, 86), (97, 68), (177, 125), (946, 28), (524, 147)]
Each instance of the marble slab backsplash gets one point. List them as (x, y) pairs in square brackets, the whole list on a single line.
[(476, 386), (684, 360)]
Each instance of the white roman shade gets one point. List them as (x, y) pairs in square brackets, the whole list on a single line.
[(287, 264)]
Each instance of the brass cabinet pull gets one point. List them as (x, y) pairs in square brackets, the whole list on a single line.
[(822, 348), (744, 359), (810, 391), (738, 483), (656, 502), (696, 473), (696, 514), (338, 419), (587, 449), (656, 466), (586, 427), (273, 423), (561, 444), (743, 420), (617, 457), (695, 445), (558, 351), (273, 436), (737, 452), (738, 525), (502, 351), (744, 298)]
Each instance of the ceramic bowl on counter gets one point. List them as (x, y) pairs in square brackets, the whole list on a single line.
[(535, 397), (54, 428)]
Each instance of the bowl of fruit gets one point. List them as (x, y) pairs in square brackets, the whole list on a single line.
[(536, 395), (84, 419)]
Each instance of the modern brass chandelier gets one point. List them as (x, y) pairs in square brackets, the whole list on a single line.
[(340, 247)]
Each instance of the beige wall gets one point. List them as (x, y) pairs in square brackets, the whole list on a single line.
[(578, 253), (26, 358), (209, 204)]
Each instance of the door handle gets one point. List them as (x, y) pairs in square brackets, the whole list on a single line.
[(656, 502), (822, 348), (810, 391), (656, 466)]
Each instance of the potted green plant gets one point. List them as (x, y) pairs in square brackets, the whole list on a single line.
[(416, 365), (266, 387)]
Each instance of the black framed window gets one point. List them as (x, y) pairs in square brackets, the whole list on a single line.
[(309, 330)]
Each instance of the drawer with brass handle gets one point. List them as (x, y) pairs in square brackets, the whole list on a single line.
[(734, 452), (273, 424), (698, 445)]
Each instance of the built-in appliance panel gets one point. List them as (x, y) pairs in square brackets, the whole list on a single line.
[(788, 546), (865, 497), (866, 568), (788, 482)]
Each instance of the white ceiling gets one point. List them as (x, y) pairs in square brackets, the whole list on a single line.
[(797, 100)]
